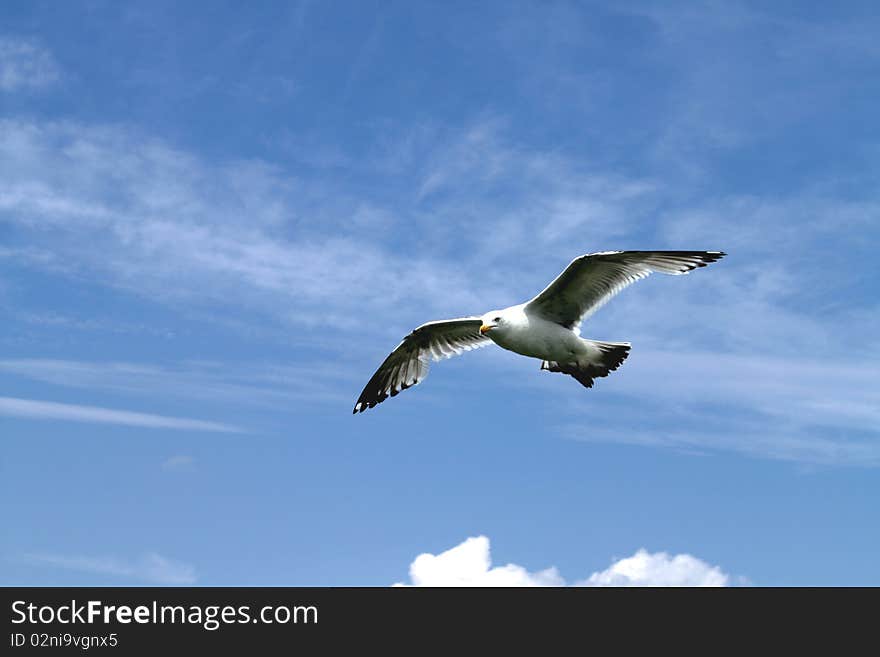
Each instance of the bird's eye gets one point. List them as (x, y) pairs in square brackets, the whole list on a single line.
[(497, 319)]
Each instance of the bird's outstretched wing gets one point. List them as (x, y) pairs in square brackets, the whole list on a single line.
[(591, 280), (407, 365)]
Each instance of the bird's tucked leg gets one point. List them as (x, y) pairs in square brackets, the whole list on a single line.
[(608, 357)]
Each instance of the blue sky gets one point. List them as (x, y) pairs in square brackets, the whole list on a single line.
[(216, 221)]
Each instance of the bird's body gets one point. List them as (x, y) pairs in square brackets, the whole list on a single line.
[(546, 327), (532, 335)]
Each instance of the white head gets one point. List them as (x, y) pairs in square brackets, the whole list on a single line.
[(492, 320)]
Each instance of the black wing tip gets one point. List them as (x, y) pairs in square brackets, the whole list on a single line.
[(704, 256), (361, 406), (373, 398), (708, 257), (692, 259)]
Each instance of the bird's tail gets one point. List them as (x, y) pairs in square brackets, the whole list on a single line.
[(611, 355)]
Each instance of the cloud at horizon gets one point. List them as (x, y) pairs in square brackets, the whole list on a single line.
[(470, 564)]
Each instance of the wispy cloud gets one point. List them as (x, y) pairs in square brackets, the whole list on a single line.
[(25, 65), (260, 383), (151, 567), (173, 227), (177, 228), (470, 564), (68, 322), (501, 220), (794, 409), (44, 410)]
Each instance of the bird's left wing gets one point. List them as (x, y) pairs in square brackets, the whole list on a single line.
[(591, 280), (407, 365)]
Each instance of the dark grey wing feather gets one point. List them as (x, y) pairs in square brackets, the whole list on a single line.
[(591, 280), (407, 365)]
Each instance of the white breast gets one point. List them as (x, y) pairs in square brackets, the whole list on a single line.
[(536, 337)]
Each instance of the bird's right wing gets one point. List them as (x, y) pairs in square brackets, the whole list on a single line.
[(591, 280), (407, 365)]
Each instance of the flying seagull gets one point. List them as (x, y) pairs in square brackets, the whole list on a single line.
[(546, 328)]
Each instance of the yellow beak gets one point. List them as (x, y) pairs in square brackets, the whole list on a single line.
[(485, 329)]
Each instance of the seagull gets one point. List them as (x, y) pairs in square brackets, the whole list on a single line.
[(546, 327)]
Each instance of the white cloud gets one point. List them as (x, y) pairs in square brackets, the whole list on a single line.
[(43, 410), (151, 567), (25, 65), (470, 564), (658, 569)]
